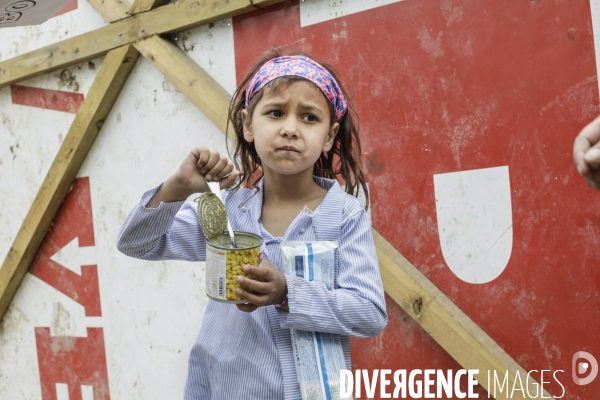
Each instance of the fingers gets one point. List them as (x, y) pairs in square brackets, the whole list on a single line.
[(588, 138), (266, 271), (592, 156), (217, 167), (229, 180), (213, 165), (253, 285), (270, 289), (202, 155), (592, 131), (580, 147), (257, 300), (210, 158)]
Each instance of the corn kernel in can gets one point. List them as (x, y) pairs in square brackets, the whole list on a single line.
[(224, 264)]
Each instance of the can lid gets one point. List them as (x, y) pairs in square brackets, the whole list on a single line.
[(212, 215)]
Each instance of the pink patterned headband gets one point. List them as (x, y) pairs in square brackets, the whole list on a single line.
[(306, 68)]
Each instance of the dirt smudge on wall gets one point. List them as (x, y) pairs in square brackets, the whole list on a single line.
[(67, 79)]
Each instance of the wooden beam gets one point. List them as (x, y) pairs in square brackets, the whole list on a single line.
[(191, 80), (171, 18), (111, 10), (104, 91), (141, 6), (116, 10), (447, 324)]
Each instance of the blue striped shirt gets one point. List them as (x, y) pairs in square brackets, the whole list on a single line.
[(240, 355)]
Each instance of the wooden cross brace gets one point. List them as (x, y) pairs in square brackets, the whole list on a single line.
[(136, 29)]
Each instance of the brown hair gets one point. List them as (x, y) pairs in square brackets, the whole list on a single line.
[(343, 160)]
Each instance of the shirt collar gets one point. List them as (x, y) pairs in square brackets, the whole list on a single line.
[(335, 195)]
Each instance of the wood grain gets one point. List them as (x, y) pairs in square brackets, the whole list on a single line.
[(173, 17), (140, 6), (111, 10), (447, 324)]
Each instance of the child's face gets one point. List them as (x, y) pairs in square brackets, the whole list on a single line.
[(290, 127)]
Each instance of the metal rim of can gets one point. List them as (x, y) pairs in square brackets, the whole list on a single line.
[(225, 246), (228, 301)]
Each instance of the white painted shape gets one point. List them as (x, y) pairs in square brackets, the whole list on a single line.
[(474, 215), (315, 11), (68, 256), (62, 391), (595, 9), (73, 257), (87, 392)]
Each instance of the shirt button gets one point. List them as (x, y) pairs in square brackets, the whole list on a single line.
[(244, 209), (302, 230)]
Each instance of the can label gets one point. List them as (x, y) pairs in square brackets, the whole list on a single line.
[(225, 264), (216, 264)]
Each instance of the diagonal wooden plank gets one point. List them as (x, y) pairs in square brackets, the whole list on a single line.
[(447, 324), (115, 10), (171, 18), (141, 6), (111, 10), (191, 80), (106, 87)]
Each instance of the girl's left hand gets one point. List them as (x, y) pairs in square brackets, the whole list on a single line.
[(271, 289)]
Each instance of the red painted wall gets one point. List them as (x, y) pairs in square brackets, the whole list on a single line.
[(453, 85), (57, 100)]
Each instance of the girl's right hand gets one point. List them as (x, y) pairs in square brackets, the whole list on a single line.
[(202, 164), (190, 177)]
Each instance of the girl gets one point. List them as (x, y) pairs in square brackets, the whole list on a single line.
[(292, 123)]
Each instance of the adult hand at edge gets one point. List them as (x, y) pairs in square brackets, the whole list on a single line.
[(586, 153)]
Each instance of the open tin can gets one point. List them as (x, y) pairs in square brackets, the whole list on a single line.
[(223, 263)]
